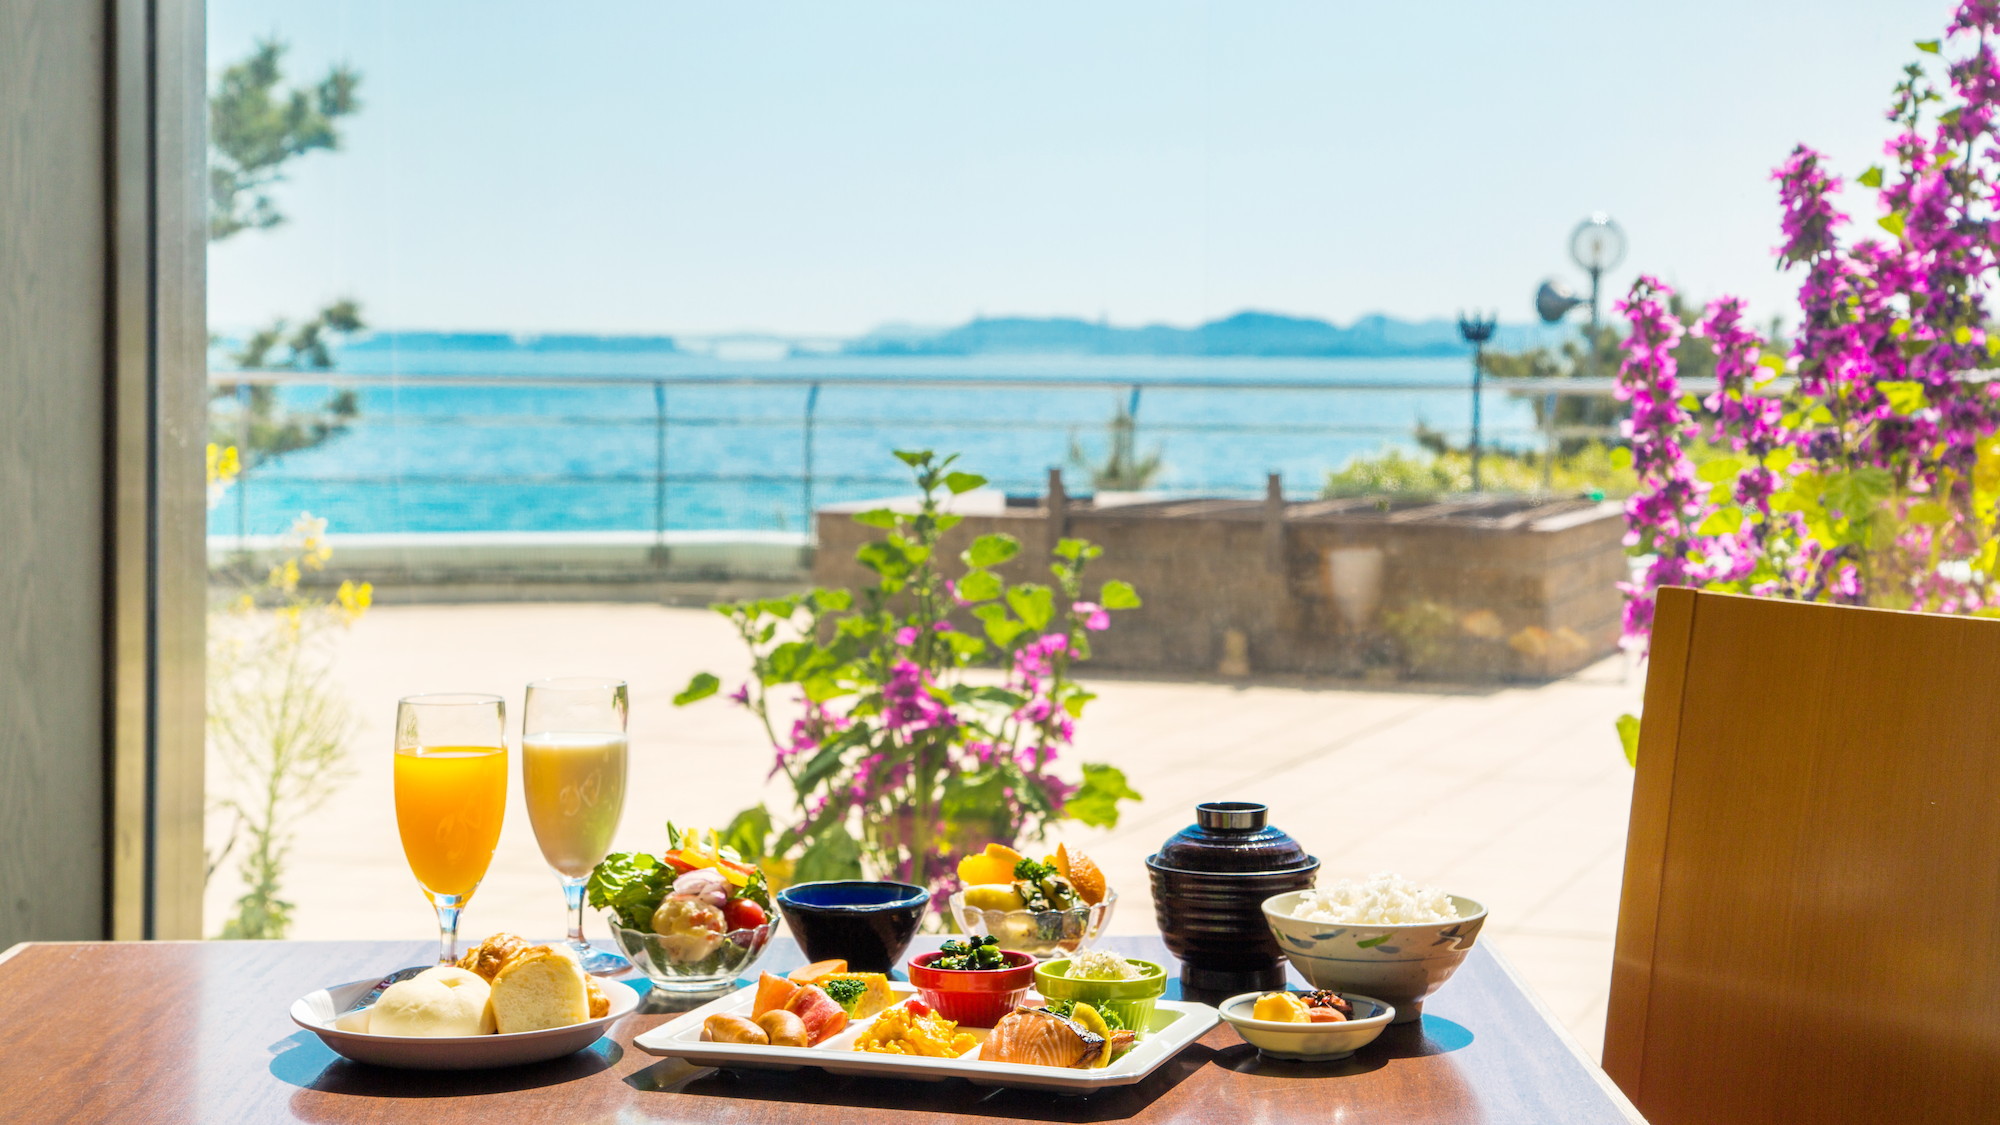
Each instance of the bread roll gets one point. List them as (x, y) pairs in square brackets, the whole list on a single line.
[(540, 988), (437, 1002), (489, 956)]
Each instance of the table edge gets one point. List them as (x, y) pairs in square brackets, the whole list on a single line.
[(1596, 1071)]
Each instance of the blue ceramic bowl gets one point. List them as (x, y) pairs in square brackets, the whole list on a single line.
[(868, 924)]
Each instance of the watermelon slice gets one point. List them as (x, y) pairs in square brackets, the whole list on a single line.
[(823, 1018), (773, 993)]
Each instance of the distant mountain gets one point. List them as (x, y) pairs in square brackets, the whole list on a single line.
[(1245, 334)]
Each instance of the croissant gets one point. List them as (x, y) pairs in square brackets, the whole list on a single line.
[(489, 957)]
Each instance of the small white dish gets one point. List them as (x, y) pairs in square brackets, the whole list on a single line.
[(1309, 1042), (316, 1012), (1174, 1025)]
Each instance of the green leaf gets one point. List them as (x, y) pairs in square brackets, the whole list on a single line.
[(885, 559), (1118, 594), (1075, 701), (1003, 631), (1928, 46), (822, 766), (701, 687), (1628, 737), (1690, 403), (1719, 470), (967, 646), (914, 458), (1370, 943), (1892, 222), (1722, 521), (1780, 459), (1070, 548), (979, 586), (631, 885), (749, 833), (963, 482), (876, 517), (1621, 458), (1034, 603), (1772, 360), (1930, 513), (1904, 397), (991, 550), (1096, 803), (832, 854), (829, 601), (1872, 178)]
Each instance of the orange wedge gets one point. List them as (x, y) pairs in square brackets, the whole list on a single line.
[(1082, 873)]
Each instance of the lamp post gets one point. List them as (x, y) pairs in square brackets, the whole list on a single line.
[(1597, 245), (1476, 330)]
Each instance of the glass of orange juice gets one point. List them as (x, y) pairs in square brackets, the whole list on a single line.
[(573, 749), (451, 793)]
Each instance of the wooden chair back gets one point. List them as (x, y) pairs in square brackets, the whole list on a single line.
[(1809, 930)]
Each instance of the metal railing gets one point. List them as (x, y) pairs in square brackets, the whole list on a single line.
[(661, 470)]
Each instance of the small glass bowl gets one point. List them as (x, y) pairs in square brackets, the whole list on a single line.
[(1040, 933), (671, 965)]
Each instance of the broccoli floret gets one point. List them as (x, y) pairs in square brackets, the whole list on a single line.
[(845, 991)]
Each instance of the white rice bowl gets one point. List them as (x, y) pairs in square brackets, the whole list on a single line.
[(1384, 899)]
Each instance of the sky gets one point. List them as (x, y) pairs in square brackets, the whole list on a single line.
[(822, 167)]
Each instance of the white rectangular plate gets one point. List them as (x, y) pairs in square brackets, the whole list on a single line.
[(1175, 1025)]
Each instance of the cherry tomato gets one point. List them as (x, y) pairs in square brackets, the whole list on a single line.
[(742, 914)]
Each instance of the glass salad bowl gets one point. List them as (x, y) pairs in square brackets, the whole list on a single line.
[(1040, 933), (681, 963)]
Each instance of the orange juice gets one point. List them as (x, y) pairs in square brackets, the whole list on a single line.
[(449, 802)]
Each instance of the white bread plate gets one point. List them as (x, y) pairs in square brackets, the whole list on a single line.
[(316, 1012)]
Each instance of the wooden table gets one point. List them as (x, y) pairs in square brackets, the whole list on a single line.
[(198, 1032)]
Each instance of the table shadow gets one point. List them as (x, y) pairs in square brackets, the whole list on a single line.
[(812, 1086), (304, 1061)]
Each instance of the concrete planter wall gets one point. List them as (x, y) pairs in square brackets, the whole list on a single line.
[(1468, 590)]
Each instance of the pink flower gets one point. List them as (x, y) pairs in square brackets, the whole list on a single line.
[(1094, 616)]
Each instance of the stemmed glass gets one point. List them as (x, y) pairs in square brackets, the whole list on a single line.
[(451, 793), (573, 749)]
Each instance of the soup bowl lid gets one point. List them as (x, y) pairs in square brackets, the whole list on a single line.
[(1231, 837)]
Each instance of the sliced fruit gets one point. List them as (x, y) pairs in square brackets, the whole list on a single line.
[(994, 865), (1282, 1007), (874, 995), (823, 1019), (993, 896), (813, 973), (773, 993), (1082, 873)]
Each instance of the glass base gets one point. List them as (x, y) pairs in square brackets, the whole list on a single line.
[(600, 962), (692, 985)]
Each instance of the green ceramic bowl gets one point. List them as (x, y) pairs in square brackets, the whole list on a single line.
[(1131, 1000)]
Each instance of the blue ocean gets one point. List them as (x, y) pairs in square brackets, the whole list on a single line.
[(534, 437)]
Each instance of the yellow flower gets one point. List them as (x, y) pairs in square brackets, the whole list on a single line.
[(223, 464), (355, 599)]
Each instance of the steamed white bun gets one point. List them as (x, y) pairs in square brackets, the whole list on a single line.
[(437, 1002)]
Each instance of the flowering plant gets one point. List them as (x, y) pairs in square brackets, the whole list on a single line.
[(900, 756), (1872, 474)]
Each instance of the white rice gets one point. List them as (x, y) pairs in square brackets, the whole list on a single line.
[(1384, 898)]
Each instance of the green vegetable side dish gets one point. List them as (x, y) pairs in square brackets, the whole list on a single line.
[(971, 954), (1067, 1010)]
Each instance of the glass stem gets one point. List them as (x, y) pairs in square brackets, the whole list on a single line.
[(448, 907), (573, 897)]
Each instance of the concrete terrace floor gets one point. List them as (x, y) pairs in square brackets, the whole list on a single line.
[(1516, 796)]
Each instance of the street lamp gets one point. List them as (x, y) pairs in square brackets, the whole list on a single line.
[(1597, 245), (1477, 330)]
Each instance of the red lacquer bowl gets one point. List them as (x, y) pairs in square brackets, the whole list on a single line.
[(973, 997)]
